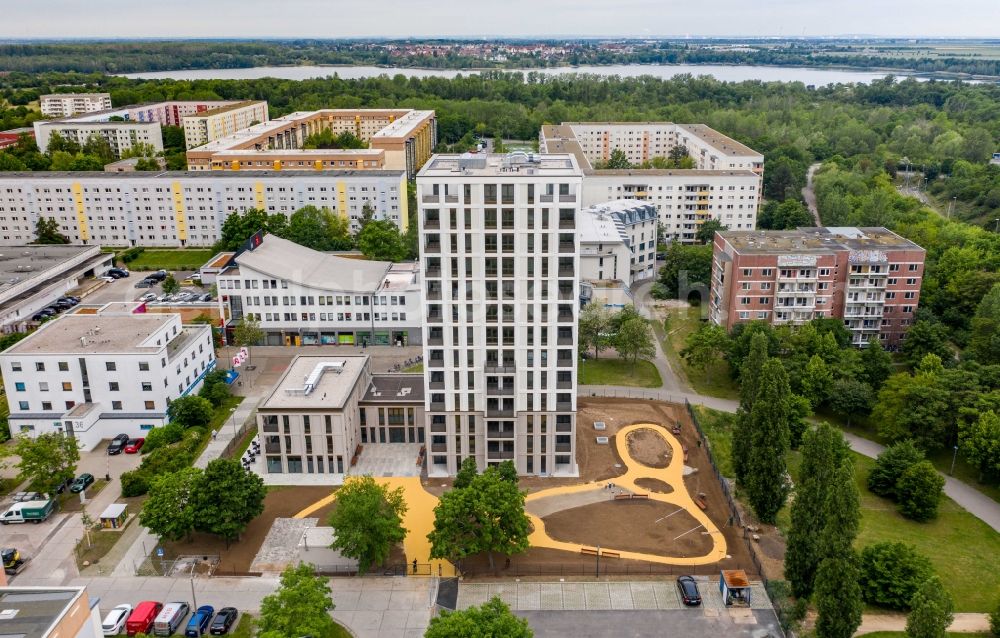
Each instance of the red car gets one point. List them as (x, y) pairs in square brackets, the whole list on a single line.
[(134, 445)]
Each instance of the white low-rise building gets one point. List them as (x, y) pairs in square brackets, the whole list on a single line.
[(635, 224), (93, 376), (302, 296)]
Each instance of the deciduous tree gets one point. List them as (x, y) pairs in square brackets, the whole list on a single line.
[(190, 411), (300, 606), (984, 340), (890, 465), (931, 611), (891, 573), (368, 521), (248, 334), (169, 511), (466, 472), (849, 397), (48, 460), (919, 491), (492, 620), (634, 341), (838, 598), (380, 240), (768, 433), (706, 232), (595, 328), (228, 498), (980, 443)]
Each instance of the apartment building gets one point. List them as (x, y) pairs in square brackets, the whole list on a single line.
[(179, 208), (635, 224), (173, 112), (67, 104), (212, 124), (49, 612), (397, 139), (724, 185), (869, 277), (120, 135), (324, 407), (92, 375), (501, 265), (304, 297)]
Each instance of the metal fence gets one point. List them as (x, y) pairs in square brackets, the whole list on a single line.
[(607, 566), (629, 393)]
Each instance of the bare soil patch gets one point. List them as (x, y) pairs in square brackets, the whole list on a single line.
[(654, 485), (652, 528), (281, 502), (649, 448)]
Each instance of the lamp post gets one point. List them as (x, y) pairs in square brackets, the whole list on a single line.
[(954, 457), (194, 599), (232, 419), (997, 221)]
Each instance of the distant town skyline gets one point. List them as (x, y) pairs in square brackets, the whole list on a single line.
[(512, 18)]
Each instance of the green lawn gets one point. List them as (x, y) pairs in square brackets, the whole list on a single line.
[(714, 382), (101, 544), (902, 634), (618, 372), (956, 542), (419, 367), (179, 259)]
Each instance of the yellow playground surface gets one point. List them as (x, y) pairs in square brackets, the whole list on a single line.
[(419, 518)]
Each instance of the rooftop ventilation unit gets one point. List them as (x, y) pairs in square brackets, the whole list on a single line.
[(314, 377)]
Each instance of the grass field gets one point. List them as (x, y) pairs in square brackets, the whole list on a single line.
[(715, 382), (956, 542), (179, 259), (419, 367), (618, 372)]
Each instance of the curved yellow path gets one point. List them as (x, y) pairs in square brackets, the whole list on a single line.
[(419, 518), (672, 475)]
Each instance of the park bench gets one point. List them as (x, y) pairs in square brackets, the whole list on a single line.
[(588, 551)]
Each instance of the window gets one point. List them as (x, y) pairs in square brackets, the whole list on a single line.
[(110, 366), (143, 366), (150, 405), (113, 386), (909, 295), (116, 405), (67, 386), (913, 267), (19, 386), (147, 386), (46, 406), (911, 282), (15, 366), (39, 366)]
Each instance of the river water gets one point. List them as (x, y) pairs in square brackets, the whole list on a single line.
[(726, 73)]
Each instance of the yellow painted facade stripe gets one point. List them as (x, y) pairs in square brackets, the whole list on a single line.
[(179, 216), (342, 200), (258, 190), (404, 201), (81, 213)]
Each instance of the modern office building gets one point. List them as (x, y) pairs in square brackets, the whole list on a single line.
[(324, 407), (212, 124), (49, 612), (397, 139), (725, 183), (501, 267), (67, 104), (33, 277), (92, 375), (618, 241), (304, 297), (184, 208), (869, 277)]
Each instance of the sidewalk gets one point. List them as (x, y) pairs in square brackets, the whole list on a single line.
[(225, 434), (963, 623)]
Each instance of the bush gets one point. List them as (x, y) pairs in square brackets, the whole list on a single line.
[(134, 483), (131, 254), (790, 612), (995, 621), (919, 491), (890, 465), (162, 436), (891, 574), (190, 411)]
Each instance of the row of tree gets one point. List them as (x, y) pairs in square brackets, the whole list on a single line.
[(625, 331)]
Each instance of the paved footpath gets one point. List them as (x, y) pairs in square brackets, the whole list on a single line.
[(963, 623)]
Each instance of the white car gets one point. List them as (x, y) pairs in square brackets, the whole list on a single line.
[(107, 278), (148, 297), (114, 622)]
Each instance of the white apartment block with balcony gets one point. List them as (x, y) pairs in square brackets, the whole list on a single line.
[(178, 208), (635, 223), (501, 267), (66, 104), (93, 376), (724, 185), (305, 297)]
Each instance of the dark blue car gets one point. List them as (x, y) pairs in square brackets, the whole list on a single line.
[(198, 624)]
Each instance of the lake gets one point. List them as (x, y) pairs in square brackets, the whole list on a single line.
[(727, 73)]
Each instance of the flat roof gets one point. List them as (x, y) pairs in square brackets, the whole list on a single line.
[(104, 333), (404, 125), (495, 165), (300, 152), (284, 259), (332, 387), (21, 176), (22, 263), (597, 227), (810, 240), (676, 172), (66, 95), (722, 143), (395, 388), (31, 612), (219, 110)]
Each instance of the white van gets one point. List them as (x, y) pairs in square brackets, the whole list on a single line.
[(170, 618)]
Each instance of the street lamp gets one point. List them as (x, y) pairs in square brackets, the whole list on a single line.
[(194, 599), (997, 221), (232, 419), (954, 456)]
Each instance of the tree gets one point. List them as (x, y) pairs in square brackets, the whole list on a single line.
[(487, 516), (932, 611), (849, 397), (890, 465), (240, 227), (634, 341), (843, 512), (48, 460), (169, 511), (319, 229), (190, 411), (47, 232), (300, 606), (170, 285), (508, 472), (816, 381), (687, 269), (706, 232), (915, 406), (594, 328), (492, 620), (980, 443), (617, 160), (926, 337), (876, 365), (99, 147), (824, 450), (984, 340), (891, 573), (227, 500), (380, 240), (248, 334), (786, 215), (368, 521), (750, 375), (919, 491), (466, 472), (705, 346), (768, 434), (838, 598)]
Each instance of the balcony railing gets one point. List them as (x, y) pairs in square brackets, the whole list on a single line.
[(567, 247), (566, 271), (272, 448), (564, 363), (497, 390), (546, 198), (433, 272), (506, 433), (564, 385), (499, 411), (564, 447), (564, 406), (435, 385), (499, 454), (437, 406), (435, 363), (439, 447), (434, 317), (435, 341), (432, 247), (432, 224), (507, 367), (564, 316), (439, 427)]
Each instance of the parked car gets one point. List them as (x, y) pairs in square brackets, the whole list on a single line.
[(107, 278), (206, 297), (157, 276), (183, 296), (223, 621), (144, 283), (117, 444), (64, 304), (81, 483), (134, 445), (65, 485), (689, 591), (149, 296), (114, 622), (140, 621), (199, 622), (118, 272), (170, 618)]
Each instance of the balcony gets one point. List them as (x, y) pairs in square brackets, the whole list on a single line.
[(433, 272), (435, 363), (564, 427), (434, 294), (435, 340), (496, 411), (564, 316), (432, 224), (432, 248), (272, 448), (439, 447), (567, 247), (564, 406), (564, 341), (435, 385), (433, 198), (564, 385), (494, 367), (501, 455), (437, 406), (497, 390), (567, 198), (434, 317), (506, 433), (564, 447), (546, 198), (567, 223), (565, 295), (439, 427), (566, 271), (564, 363), (451, 199)]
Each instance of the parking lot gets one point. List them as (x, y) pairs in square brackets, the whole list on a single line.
[(124, 290)]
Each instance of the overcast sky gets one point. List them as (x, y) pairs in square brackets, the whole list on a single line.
[(394, 18)]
